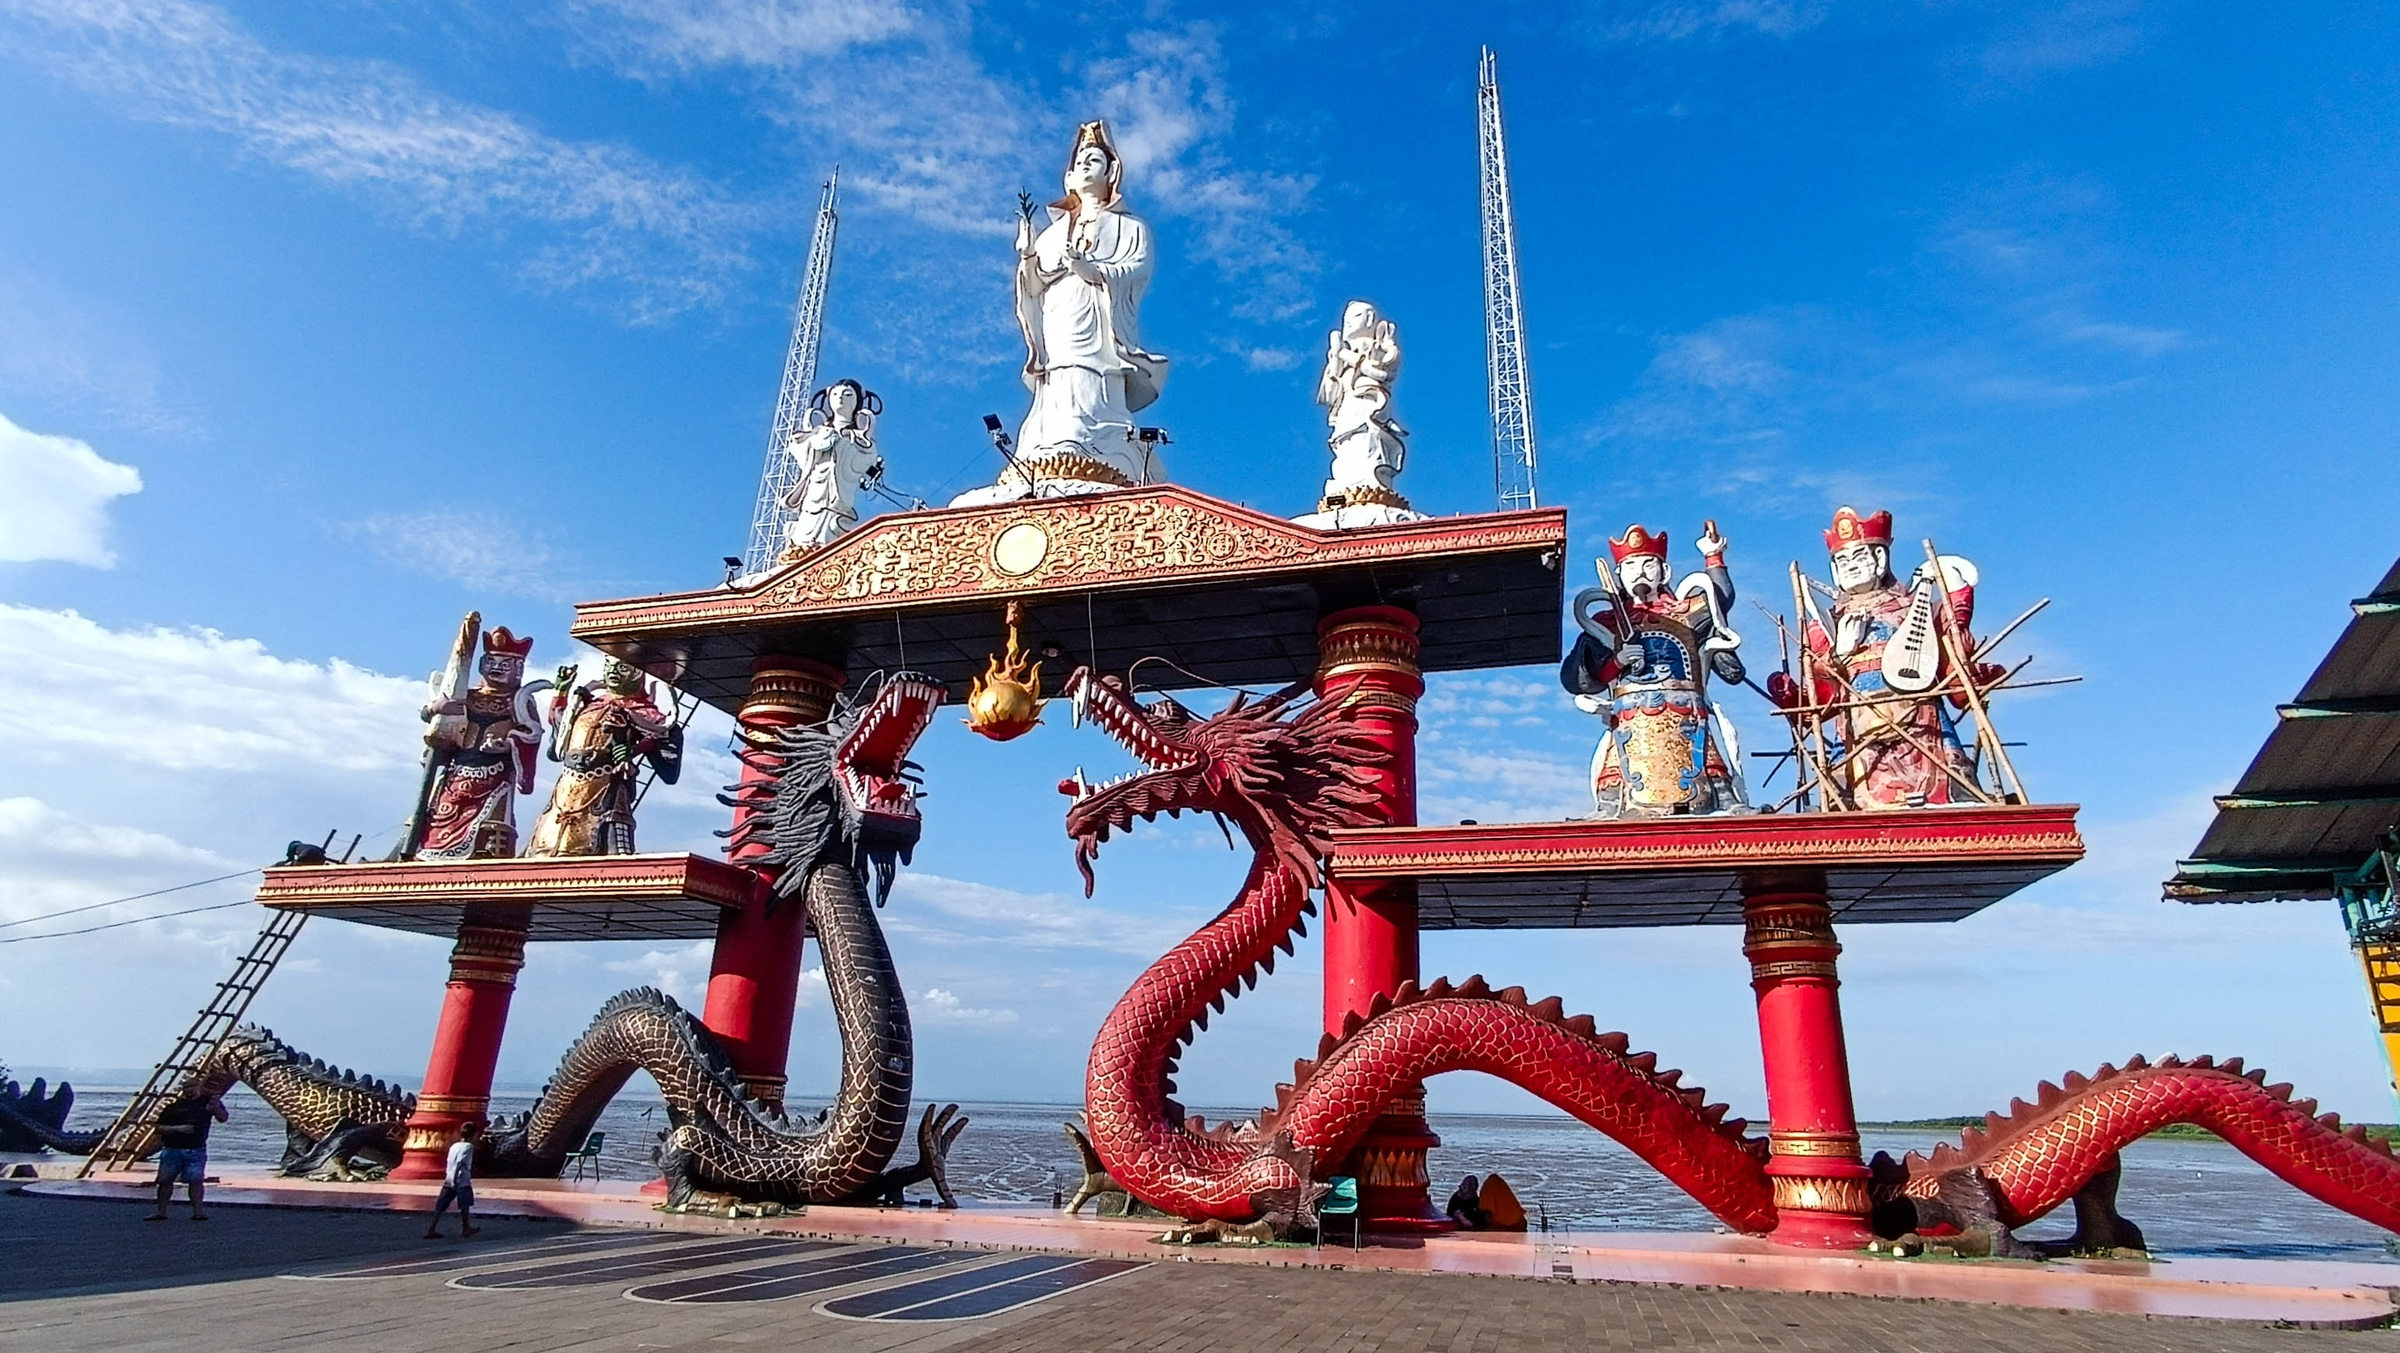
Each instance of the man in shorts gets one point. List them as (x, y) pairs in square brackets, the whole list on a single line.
[(458, 1181), (183, 1146)]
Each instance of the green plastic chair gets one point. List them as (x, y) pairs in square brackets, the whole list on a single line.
[(1341, 1200), (589, 1155)]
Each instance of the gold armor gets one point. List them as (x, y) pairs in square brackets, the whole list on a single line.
[(600, 736)]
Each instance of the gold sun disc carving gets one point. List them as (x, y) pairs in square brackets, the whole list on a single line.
[(1020, 549)]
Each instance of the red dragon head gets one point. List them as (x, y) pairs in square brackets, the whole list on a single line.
[(1284, 780)]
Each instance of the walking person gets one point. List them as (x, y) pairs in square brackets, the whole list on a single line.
[(183, 1146), (458, 1181)]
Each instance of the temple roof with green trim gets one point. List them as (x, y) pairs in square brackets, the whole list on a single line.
[(2323, 795)]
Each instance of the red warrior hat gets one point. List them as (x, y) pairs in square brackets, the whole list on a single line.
[(1849, 528), (499, 643), (1639, 541)]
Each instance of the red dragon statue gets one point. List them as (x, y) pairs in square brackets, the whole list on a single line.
[(1285, 772), (2020, 1166), (1284, 781)]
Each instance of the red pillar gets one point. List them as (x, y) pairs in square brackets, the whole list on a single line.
[(1367, 658), (754, 978), (466, 1045), (1820, 1181)]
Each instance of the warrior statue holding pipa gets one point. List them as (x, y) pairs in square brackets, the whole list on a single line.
[(1878, 675), (480, 748), (1643, 663), (602, 734)]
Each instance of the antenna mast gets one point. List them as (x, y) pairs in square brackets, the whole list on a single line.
[(1503, 313), (799, 383)]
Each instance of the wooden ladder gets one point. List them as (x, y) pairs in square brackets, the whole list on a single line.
[(133, 1134)]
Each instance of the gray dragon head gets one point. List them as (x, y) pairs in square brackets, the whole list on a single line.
[(842, 791)]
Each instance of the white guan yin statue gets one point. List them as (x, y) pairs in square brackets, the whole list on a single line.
[(1369, 446), (1079, 285), (835, 454)]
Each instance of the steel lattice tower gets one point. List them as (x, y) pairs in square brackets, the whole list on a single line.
[(1503, 306), (799, 383)]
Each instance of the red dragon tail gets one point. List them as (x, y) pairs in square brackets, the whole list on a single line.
[(1332, 1101), (2036, 1156)]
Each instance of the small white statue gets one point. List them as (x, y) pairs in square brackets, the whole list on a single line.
[(1362, 358), (1079, 285), (835, 448)]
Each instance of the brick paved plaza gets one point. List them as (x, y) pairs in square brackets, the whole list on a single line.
[(83, 1274)]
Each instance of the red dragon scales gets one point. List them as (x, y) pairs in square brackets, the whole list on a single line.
[(1283, 781), (1286, 771), (2063, 1147)]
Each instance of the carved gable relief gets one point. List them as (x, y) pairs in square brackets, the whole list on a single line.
[(1061, 543), (1097, 541)]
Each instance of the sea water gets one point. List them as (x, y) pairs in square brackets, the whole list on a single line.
[(2190, 1197)]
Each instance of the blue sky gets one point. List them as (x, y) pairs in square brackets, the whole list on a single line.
[(319, 325)]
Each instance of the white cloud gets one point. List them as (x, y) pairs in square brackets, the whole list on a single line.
[(2139, 339), (681, 973), (2039, 391), (920, 126), (938, 1007), (165, 757), (692, 33), (54, 860), (1270, 359), (973, 913), (1767, 386), (482, 550), (62, 348), (1171, 113), (193, 699), (603, 214), (1504, 785), (1673, 20), (925, 129), (54, 497), (1729, 381), (2042, 40)]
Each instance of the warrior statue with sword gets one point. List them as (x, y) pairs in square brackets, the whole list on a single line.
[(1643, 663), (1877, 671), (480, 747)]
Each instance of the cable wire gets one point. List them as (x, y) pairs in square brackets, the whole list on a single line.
[(156, 892), (95, 906), (112, 925)]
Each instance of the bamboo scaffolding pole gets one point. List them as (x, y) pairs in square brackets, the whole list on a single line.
[(1954, 636), (1994, 642), (1830, 793), (1851, 752)]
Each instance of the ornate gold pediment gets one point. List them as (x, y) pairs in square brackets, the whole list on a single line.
[(1039, 545), (1130, 537)]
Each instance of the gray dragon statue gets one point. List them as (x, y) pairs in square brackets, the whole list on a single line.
[(838, 815), (33, 1119), (838, 804), (337, 1124)]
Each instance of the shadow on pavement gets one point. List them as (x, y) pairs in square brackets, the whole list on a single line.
[(63, 1246)]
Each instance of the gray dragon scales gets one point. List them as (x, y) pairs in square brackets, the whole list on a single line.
[(837, 812), (33, 1119), (838, 804), (337, 1124)]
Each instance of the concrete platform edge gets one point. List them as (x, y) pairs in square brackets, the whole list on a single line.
[(2293, 1293)]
